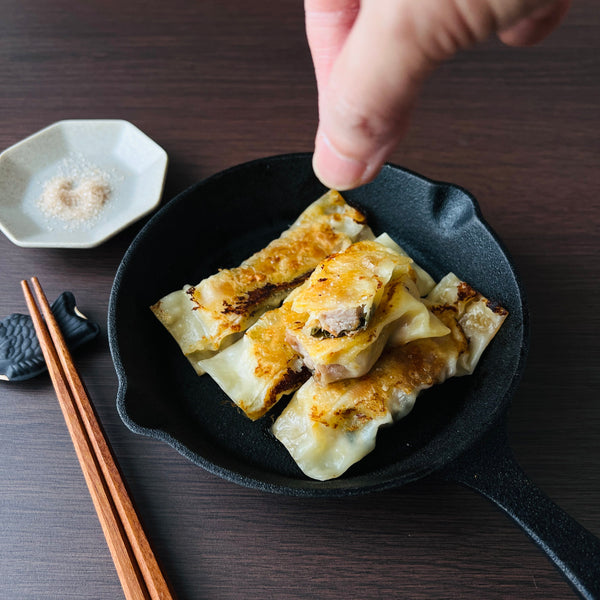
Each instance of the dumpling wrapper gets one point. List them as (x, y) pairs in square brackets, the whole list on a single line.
[(258, 369), (343, 292), (405, 318), (205, 318), (425, 282), (327, 429), (353, 302)]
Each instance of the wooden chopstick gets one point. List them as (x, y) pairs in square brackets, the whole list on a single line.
[(136, 564)]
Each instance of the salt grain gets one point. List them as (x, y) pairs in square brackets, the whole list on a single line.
[(76, 196), (72, 201)]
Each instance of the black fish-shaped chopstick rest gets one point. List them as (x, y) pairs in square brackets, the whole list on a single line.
[(20, 353)]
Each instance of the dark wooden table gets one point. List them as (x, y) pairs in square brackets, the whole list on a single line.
[(220, 82)]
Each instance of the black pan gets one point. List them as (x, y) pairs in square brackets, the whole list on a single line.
[(456, 429)]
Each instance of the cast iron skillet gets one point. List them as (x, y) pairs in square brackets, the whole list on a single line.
[(457, 429)]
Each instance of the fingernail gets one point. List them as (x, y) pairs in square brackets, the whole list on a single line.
[(334, 169)]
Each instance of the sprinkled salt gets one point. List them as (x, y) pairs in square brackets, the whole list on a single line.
[(74, 200), (76, 195)]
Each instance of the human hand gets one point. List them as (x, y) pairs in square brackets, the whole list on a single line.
[(371, 57)]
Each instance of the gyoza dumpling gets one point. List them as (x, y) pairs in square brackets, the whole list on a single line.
[(326, 429), (349, 307), (207, 317), (258, 369), (478, 317), (342, 293)]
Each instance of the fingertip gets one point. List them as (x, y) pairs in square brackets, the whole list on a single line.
[(536, 27), (525, 33), (336, 170)]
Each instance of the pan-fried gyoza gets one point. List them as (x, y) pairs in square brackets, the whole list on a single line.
[(351, 305), (328, 428), (257, 370), (280, 351), (207, 317), (347, 323)]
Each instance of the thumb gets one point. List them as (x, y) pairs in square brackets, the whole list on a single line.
[(328, 23), (536, 26), (372, 87), (364, 108)]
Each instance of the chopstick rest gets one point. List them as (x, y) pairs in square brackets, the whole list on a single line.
[(136, 565), (20, 354)]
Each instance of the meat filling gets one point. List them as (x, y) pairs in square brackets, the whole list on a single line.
[(340, 321)]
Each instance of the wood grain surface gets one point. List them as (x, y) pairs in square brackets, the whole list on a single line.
[(217, 83)]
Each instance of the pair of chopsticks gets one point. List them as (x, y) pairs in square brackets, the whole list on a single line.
[(134, 560)]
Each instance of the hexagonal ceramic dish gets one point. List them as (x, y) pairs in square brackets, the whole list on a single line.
[(132, 165)]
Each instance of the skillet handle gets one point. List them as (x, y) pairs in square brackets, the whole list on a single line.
[(491, 469)]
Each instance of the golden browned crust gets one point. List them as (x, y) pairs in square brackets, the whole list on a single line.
[(232, 299)]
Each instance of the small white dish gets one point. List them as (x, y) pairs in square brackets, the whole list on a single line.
[(133, 166)]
